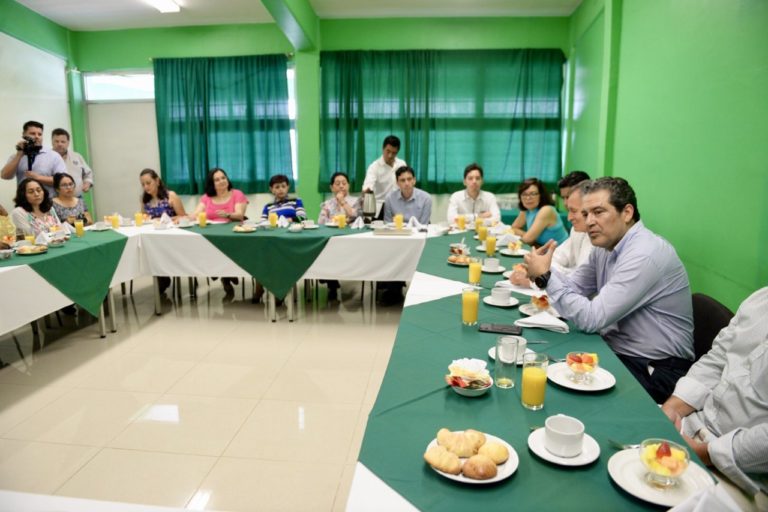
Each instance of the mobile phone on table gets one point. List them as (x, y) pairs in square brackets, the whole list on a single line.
[(513, 329)]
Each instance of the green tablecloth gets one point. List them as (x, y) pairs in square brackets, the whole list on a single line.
[(275, 257), (82, 269), (414, 403)]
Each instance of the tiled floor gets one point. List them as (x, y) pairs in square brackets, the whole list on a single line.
[(209, 406)]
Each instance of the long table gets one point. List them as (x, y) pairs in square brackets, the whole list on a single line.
[(414, 403)]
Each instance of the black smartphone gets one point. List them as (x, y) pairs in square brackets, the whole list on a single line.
[(502, 329)]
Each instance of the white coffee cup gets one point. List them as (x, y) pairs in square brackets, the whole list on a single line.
[(377, 223), (184, 222), (308, 223), (563, 435), (501, 295), (491, 263)]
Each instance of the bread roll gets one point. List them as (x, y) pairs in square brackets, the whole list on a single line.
[(498, 453), (440, 458), (479, 467), (463, 444)]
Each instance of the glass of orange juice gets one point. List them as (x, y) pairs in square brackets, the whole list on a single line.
[(478, 223), (138, 219), (461, 222), (273, 219), (470, 302), (202, 219), (79, 229), (534, 380), (115, 219), (398, 221), (30, 239), (341, 220), (475, 270), (482, 233), (490, 245)]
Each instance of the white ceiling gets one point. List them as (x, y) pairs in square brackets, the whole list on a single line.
[(119, 14)]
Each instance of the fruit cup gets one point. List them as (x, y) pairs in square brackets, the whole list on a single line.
[(582, 366), (664, 460)]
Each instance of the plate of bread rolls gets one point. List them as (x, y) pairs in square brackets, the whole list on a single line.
[(471, 457)]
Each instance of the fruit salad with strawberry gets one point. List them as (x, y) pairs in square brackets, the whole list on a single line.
[(582, 364), (664, 459)]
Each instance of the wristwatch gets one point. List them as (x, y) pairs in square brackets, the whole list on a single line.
[(542, 280)]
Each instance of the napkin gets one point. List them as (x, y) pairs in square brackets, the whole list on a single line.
[(498, 230), (505, 239), (413, 222), (358, 224), (69, 228), (544, 320), (42, 238), (283, 222)]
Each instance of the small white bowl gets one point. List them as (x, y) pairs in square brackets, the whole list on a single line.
[(472, 393)]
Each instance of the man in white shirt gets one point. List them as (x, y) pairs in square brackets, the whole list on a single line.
[(472, 200), (721, 404), (77, 167), (380, 176)]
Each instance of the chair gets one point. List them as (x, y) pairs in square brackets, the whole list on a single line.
[(709, 318)]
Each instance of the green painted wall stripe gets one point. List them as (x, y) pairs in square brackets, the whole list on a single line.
[(28, 26), (298, 21)]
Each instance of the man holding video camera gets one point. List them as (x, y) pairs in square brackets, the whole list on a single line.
[(32, 160)]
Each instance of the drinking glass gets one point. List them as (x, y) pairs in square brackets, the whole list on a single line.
[(461, 222), (138, 219), (475, 271), (470, 302), (505, 368), (115, 219), (273, 219), (202, 219), (341, 220), (534, 380), (79, 229), (482, 233), (490, 245), (398, 221)]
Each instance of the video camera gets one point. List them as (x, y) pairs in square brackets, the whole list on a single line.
[(30, 148)]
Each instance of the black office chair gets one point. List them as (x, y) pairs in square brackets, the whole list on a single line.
[(709, 318)]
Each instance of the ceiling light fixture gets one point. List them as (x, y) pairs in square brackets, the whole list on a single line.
[(164, 6)]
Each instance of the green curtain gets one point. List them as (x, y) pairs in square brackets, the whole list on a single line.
[(500, 108), (228, 112)]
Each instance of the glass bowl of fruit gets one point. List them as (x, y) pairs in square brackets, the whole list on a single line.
[(582, 366), (664, 460)]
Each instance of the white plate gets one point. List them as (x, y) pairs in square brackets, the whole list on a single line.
[(559, 373), (521, 252), (503, 470), (512, 302), (628, 472), (530, 310), (590, 450), (498, 270), (492, 355), (480, 248), (331, 225), (455, 264), (314, 226), (94, 228)]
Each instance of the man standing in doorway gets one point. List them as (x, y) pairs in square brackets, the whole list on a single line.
[(380, 176), (77, 167)]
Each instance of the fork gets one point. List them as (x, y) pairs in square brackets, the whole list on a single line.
[(621, 446)]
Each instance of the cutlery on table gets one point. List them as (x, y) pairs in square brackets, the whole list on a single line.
[(621, 446)]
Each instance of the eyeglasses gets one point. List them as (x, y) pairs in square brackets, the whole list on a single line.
[(66, 185), (530, 194)]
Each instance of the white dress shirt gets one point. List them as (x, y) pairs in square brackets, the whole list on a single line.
[(462, 204), (78, 168), (380, 178), (573, 253), (728, 387)]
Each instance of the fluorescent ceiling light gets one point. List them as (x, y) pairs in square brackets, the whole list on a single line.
[(164, 6)]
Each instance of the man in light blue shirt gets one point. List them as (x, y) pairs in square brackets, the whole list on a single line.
[(633, 290), (408, 200), (45, 161)]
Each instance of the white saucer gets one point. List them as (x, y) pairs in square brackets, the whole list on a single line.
[(492, 355), (628, 472), (530, 310), (498, 270), (314, 226), (480, 248), (503, 470), (602, 379), (512, 302), (590, 450), (520, 252)]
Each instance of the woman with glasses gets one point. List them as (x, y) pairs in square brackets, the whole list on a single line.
[(538, 221), (34, 211), (68, 206)]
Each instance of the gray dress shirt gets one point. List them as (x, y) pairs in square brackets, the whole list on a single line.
[(728, 387), (419, 205), (641, 300)]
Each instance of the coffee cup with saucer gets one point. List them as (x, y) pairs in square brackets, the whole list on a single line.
[(563, 441)]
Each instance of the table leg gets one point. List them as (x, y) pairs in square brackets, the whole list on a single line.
[(289, 303), (102, 322), (271, 306), (157, 296), (111, 304)]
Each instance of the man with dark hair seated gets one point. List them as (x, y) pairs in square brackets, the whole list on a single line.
[(721, 404), (569, 181), (633, 289)]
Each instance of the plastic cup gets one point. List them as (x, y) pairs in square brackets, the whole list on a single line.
[(470, 303)]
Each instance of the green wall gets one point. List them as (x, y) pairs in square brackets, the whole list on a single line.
[(28, 26), (691, 132)]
